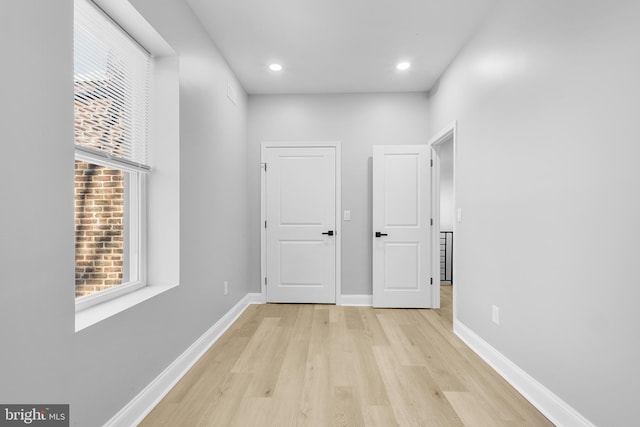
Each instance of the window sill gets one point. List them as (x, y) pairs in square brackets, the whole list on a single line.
[(97, 313)]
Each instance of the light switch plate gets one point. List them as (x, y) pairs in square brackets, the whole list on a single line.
[(347, 215)]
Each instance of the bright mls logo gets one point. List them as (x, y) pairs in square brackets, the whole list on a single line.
[(34, 415)]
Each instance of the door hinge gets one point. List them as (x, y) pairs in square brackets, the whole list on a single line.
[(265, 167), (431, 281), (265, 224), (431, 221), (265, 281), (431, 162)]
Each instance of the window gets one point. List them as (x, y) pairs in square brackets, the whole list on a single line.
[(111, 136)]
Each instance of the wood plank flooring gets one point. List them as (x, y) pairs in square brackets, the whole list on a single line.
[(324, 365)]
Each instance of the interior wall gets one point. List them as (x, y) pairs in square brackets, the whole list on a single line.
[(37, 267), (359, 121), (101, 368), (547, 102)]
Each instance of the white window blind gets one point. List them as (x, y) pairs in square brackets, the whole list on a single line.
[(111, 78)]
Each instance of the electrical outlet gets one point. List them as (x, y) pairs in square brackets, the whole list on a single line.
[(495, 314), (226, 287)]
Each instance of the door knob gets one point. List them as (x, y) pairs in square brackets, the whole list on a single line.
[(328, 233), (379, 234)]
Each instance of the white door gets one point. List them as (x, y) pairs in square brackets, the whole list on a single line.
[(402, 226), (300, 224)]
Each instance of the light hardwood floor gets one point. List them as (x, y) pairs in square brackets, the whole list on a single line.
[(324, 365)]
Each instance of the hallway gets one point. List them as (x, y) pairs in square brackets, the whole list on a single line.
[(322, 365)]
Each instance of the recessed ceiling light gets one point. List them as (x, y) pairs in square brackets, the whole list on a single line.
[(275, 67), (403, 66)]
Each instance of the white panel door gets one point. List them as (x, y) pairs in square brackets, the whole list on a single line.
[(300, 229), (402, 226)]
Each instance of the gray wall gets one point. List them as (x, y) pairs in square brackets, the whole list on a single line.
[(101, 368), (546, 99), (359, 122)]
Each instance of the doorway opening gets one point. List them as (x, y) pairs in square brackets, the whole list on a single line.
[(444, 151)]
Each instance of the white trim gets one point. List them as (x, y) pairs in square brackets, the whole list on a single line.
[(253, 298), (338, 146), (554, 408), (127, 17), (139, 407), (263, 230), (356, 300), (102, 158), (87, 301), (449, 131), (338, 220), (96, 313), (134, 250), (435, 229)]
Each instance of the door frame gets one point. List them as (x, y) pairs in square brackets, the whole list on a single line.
[(337, 145), (448, 132)]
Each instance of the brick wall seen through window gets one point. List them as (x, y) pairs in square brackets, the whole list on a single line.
[(99, 227)]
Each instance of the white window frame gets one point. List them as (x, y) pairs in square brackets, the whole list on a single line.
[(162, 193), (135, 249), (136, 235)]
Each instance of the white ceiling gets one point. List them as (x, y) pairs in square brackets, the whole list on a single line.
[(339, 46)]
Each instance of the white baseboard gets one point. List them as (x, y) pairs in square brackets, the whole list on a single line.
[(555, 409), (140, 406), (358, 300), (254, 298), (354, 300)]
